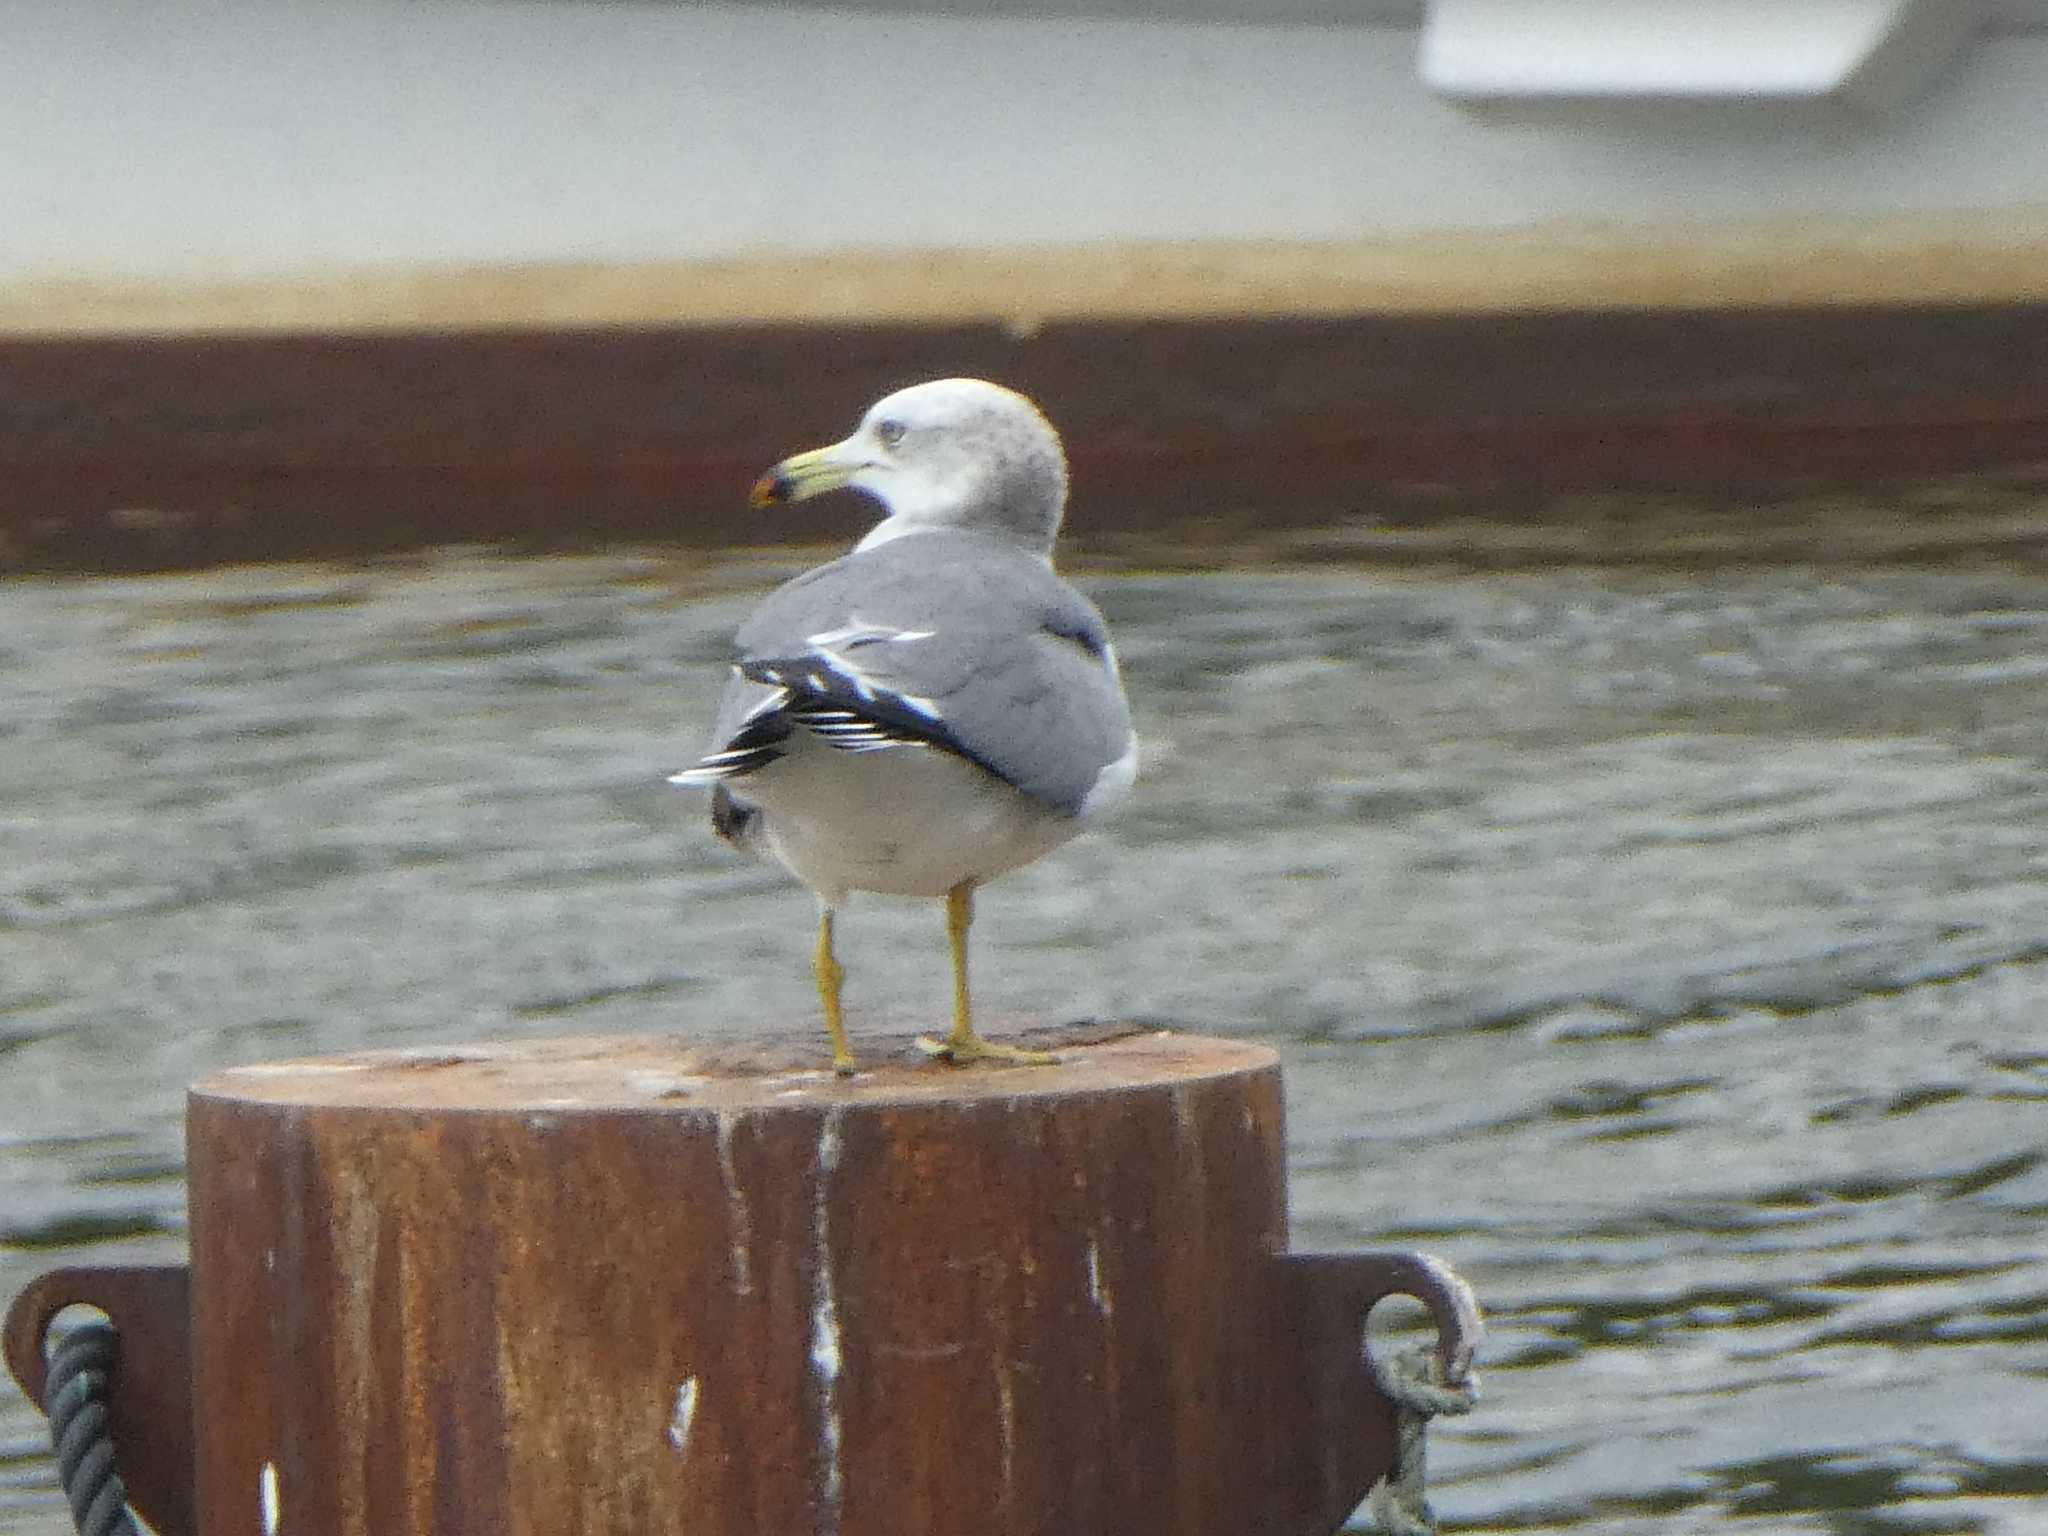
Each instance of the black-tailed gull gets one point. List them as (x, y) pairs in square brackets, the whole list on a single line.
[(937, 707)]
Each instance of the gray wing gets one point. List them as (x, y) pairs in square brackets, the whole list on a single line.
[(952, 639)]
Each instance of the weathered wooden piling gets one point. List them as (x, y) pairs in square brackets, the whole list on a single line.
[(624, 1285)]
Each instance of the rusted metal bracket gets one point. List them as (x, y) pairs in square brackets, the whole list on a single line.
[(1345, 1442), (150, 1406), (1350, 1431)]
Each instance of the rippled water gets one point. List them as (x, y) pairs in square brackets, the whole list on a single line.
[(1668, 952)]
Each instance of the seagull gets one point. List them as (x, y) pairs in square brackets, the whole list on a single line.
[(935, 708)]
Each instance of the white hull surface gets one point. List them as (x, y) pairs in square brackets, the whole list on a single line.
[(534, 162)]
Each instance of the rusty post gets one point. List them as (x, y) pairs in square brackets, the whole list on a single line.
[(627, 1285)]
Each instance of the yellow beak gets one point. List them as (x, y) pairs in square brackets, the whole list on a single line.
[(802, 476)]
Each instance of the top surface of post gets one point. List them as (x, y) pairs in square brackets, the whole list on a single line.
[(666, 1073)]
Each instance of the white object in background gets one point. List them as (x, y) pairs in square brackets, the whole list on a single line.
[(1872, 53)]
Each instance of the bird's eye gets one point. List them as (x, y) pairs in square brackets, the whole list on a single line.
[(890, 432)]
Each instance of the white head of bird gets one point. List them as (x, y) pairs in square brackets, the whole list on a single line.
[(933, 451)]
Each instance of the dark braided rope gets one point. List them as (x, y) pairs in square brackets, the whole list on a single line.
[(75, 1401)]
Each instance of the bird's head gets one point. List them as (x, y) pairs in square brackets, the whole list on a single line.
[(952, 453)]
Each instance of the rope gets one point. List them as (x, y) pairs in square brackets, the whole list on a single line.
[(75, 1400), (1399, 1502)]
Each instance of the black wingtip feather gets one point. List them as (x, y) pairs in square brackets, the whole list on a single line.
[(824, 697)]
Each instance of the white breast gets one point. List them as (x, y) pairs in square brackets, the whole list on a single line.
[(905, 821)]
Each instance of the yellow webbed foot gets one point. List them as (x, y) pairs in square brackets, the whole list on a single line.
[(973, 1048)]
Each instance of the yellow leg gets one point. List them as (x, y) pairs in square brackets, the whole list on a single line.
[(825, 966), (963, 1044), (959, 918)]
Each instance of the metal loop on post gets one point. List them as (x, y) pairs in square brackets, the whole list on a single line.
[(75, 1401), (1414, 1379)]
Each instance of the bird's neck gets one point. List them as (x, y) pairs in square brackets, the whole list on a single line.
[(895, 527)]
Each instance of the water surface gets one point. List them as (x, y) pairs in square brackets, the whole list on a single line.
[(1666, 951)]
